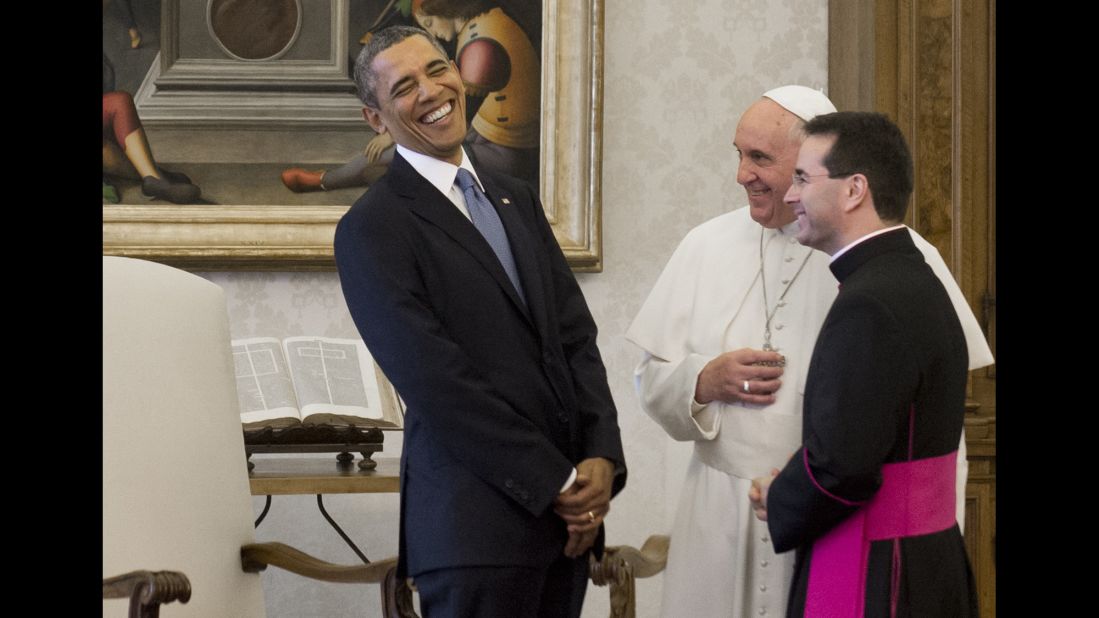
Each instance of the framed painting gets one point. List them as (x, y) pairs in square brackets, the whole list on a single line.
[(233, 139)]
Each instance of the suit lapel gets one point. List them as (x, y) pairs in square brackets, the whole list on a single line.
[(524, 247), (426, 201), (534, 270)]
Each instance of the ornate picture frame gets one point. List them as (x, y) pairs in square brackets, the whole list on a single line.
[(299, 237)]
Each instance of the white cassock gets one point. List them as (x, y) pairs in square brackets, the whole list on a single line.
[(709, 300)]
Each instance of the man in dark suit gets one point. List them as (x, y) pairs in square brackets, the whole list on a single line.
[(458, 287), (868, 500)]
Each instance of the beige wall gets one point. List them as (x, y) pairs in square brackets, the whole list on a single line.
[(677, 77)]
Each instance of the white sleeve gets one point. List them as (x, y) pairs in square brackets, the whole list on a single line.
[(667, 389), (980, 355), (963, 474)]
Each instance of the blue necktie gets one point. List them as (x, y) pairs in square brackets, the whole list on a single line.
[(487, 221)]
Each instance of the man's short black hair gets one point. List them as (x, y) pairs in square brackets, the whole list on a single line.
[(366, 80), (868, 143)]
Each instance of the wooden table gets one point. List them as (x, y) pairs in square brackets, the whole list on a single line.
[(319, 476), (285, 476)]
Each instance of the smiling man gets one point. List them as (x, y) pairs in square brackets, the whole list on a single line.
[(727, 332), (868, 500), (460, 291)]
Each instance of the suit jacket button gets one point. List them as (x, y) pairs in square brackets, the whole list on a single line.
[(524, 496), (509, 483), (561, 416)]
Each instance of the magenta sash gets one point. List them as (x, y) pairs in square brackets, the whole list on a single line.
[(916, 498)]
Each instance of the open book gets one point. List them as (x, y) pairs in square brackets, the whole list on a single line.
[(311, 381)]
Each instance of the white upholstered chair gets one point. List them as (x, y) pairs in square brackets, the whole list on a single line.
[(175, 481)]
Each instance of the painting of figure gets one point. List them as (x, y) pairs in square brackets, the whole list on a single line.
[(127, 154), (252, 103), (500, 64)]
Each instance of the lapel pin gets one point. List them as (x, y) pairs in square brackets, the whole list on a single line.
[(505, 200)]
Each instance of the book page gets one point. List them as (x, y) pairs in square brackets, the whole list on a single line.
[(333, 376), (264, 387)]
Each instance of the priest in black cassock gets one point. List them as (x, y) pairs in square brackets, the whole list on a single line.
[(868, 500)]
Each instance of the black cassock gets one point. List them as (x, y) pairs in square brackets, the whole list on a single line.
[(886, 384)]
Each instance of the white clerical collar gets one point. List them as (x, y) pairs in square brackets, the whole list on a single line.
[(868, 236), (439, 173)]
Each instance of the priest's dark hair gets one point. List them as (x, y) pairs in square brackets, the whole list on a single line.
[(868, 143)]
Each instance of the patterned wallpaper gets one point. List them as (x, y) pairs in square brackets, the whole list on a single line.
[(677, 77)]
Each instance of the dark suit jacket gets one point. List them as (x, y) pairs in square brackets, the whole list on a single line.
[(886, 384), (503, 399)]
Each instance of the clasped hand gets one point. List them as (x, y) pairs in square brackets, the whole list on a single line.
[(585, 503), (757, 494)]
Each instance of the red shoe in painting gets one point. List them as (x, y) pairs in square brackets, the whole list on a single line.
[(301, 180)]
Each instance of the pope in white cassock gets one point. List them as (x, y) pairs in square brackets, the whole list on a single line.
[(727, 332)]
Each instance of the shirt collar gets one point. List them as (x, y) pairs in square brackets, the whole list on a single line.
[(867, 237), (439, 173)]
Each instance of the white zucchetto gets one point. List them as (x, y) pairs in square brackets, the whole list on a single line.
[(801, 101)]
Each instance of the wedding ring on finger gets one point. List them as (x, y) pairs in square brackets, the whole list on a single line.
[(591, 517), (746, 389)]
